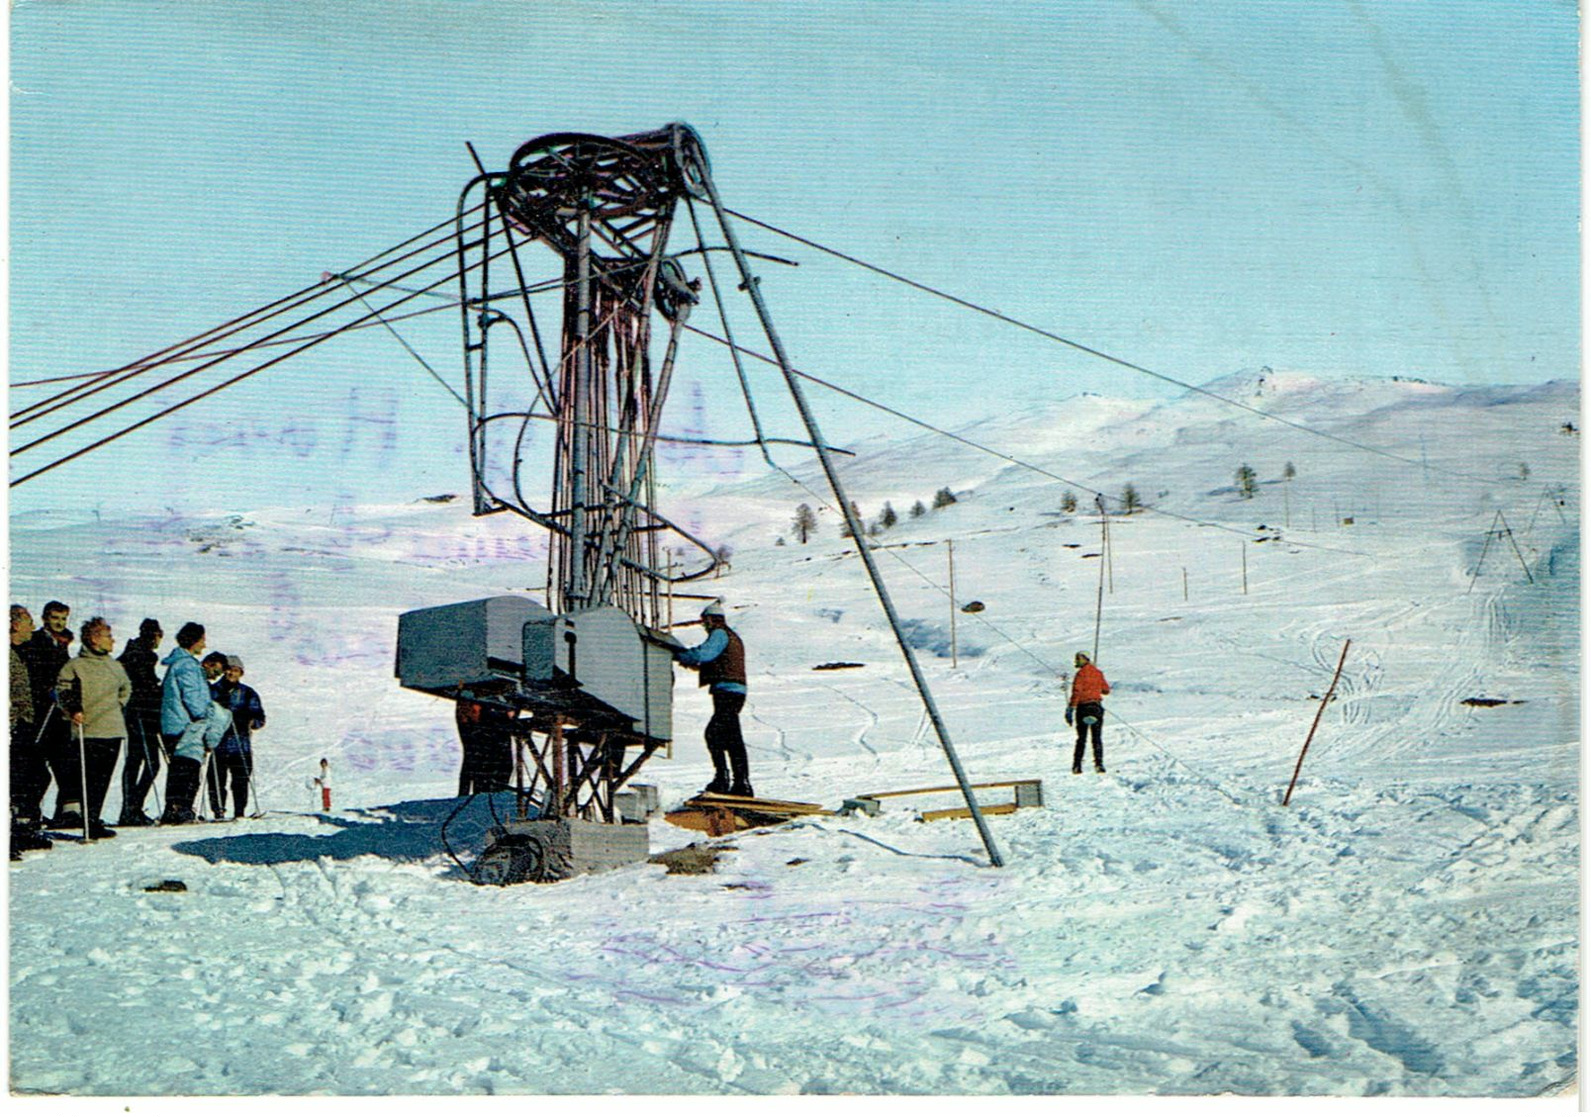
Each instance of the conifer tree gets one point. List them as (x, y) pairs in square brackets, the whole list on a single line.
[(1129, 498), (918, 509), (805, 522), (943, 497), (887, 518), (1246, 483)]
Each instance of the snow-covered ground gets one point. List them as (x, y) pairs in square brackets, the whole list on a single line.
[(1408, 926)]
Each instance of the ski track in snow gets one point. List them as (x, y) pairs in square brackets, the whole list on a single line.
[(1408, 926)]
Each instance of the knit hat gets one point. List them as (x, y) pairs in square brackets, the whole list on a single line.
[(1081, 658), (234, 661), (716, 609)]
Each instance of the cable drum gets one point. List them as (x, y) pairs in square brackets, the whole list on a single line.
[(553, 178), (520, 859)]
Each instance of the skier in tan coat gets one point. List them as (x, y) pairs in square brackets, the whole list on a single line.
[(92, 689)]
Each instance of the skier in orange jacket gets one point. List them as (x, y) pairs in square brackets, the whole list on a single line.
[(1088, 687)]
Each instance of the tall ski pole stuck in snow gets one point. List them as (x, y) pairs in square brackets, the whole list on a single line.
[(82, 774), (1302, 752), (750, 284)]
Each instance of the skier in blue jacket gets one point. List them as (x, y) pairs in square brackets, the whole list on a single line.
[(720, 661), (191, 723)]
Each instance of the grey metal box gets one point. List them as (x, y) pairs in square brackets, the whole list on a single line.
[(637, 802), (602, 652), (467, 643)]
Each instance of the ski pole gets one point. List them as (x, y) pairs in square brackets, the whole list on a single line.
[(149, 767), (204, 785), (82, 773), (43, 725), (254, 787)]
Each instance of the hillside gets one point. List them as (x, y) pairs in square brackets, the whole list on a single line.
[(1408, 926)]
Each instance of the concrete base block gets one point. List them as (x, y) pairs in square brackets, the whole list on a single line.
[(544, 850)]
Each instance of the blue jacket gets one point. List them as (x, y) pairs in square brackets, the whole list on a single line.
[(247, 715), (184, 694)]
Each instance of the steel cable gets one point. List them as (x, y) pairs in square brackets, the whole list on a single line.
[(201, 395), (1090, 351), (257, 317)]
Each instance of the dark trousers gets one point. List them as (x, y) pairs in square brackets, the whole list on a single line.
[(58, 746), (1082, 714), (488, 763), (142, 764), (100, 754), (30, 776), (234, 768), (725, 744), (182, 784)]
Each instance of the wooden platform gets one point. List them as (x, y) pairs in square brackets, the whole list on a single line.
[(717, 815)]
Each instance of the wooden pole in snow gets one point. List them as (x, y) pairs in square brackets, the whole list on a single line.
[(1099, 605), (1329, 691), (1245, 567), (1110, 564)]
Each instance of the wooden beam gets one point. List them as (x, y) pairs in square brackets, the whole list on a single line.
[(935, 790), (963, 812)]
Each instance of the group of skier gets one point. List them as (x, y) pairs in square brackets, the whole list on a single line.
[(72, 715)]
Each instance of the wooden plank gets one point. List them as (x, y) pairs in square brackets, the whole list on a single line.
[(712, 822), (765, 806), (938, 790), (964, 812)]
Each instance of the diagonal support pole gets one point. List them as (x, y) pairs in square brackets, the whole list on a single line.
[(1288, 798), (749, 283)]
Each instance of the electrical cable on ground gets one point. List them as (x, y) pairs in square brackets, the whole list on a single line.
[(1201, 777)]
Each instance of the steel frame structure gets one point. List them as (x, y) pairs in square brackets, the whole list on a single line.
[(606, 206)]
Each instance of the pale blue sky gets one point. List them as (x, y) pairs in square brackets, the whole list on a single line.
[(1345, 188)]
